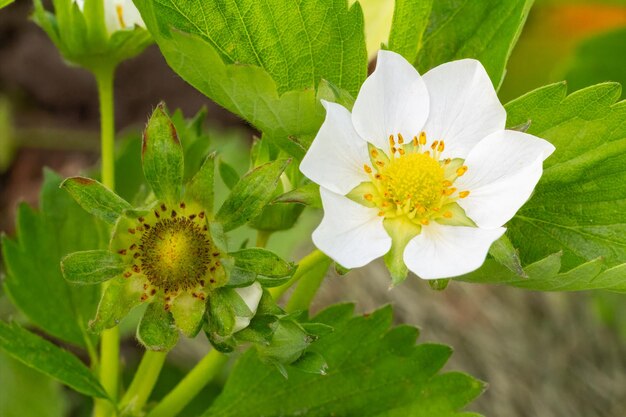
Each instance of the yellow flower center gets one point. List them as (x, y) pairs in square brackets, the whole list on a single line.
[(412, 180), (415, 178)]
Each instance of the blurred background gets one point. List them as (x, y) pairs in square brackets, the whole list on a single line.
[(548, 355)]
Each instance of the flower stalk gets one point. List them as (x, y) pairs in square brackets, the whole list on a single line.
[(143, 382)]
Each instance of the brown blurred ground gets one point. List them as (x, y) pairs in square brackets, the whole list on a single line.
[(544, 355)]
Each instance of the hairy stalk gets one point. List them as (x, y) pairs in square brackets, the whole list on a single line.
[(305, 266), (310, 280), (143, 382)]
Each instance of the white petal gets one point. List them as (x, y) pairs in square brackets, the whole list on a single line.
[(503, 170), (336, 157), (392, 100), (464, 107), (449, 251), (128, 18), (351, 234), (251, 295)]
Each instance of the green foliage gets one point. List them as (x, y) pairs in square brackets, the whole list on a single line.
[(263, 60), (19, 382), (201, 187), (410, 18), (372, 371), (4, 3), (228, 174), (308, 194), (162, 157), (157, 330), (270, 269), (95, 198), (251, 194), (597, 60), (34, 280), (46, 357), (486, 30)]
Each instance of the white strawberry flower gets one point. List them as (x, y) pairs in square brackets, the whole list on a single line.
[(422, 171), (119, 14)]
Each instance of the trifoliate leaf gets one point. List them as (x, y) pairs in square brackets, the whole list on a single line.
[(263, 60), (372, 371), (251, 194), (34, 280), (485, 30), (95, 198), (162, 157), (46, 357)]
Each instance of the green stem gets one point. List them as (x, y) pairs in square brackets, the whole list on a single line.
[(110, 339), (143, 382), (306, 265), (262, 237), (207, 369), (310, 282)]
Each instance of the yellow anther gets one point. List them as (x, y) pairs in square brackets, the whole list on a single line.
[(447, 214), (447, 161), (378, 176), (401, 151), (424, 222), (381, 213), (374, 153), (368, 197), (414, 140), (463, 194), (400, 139), (441, 146), (462, 170), (391, 141), (380, 163), (393, 150), (434, 145), (367, 169), (385, 204), (120, 15), (449, 191), (447, 183), (423, 138)]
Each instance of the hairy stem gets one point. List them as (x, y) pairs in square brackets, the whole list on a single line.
[(305, 266), (315, 266), (207, 369), (143, 382)]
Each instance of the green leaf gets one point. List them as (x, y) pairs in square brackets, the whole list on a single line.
[(45, 357), (95, 198), (311, 362), (578, 206), (251, 194), (92, 266), (503, 252), (228, 174), (595, 60), (18, 383), (263, 60), (485, 30), (4, 3), (308, 195), (156, 330), (34, 281), (272, 270), (162, 157), (201, 187), (410, 19), (372, 371)]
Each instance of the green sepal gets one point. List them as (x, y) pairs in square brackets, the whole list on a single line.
[(439, 284), (505, 253), (120, 296), (188, 312), (459, 218), (270, 268), (228, 174), (308, 195), (251, 194), (162, 157), (237, 277), (317, 329), (97, 35), (401, 231), (328, 91), (277, 217), (288, 343), (95, 198), (92, 266), (156, 330), (201, 187), (218, 236), (311, 363), (259, 331), (357, 194)]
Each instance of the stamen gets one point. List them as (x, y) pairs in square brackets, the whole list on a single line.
[(447, 183), (401, 151), (447, 214), (391, 141), (423, 138), (381, 213), (374, 153), (368, 197), (120, 15), (462, 170), (367, 169), (448, 192), (441, 146), (434, 145), (463, 194), (425, 222), (400, 139)]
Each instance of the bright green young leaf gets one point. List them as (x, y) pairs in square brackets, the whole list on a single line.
[(95, 198), (18, 383), (485, 30), (410, 18), (598, 59), (162, 157), (92, 266), (46, 357), (579, 206), (34, 280), (373, 370), (251, 194), (263, 60)]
